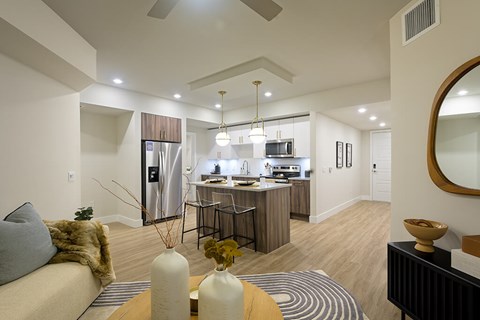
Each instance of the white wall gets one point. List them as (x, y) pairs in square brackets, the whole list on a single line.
[(110, 151), (99, 158), (39, 142), (417, 71), (335, 188), (365, 169)]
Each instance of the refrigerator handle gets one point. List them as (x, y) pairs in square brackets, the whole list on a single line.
[(161, 173)]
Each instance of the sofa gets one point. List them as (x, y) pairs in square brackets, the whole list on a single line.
[(40, 276)]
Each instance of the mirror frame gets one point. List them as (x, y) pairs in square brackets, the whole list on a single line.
[(434, 170)]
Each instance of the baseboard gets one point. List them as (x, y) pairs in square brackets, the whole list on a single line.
[(327, 214), (366, 197), (122, 219)]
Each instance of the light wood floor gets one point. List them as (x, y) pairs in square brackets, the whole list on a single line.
[(351, 247)]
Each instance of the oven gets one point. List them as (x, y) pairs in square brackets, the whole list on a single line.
[(281, 173)]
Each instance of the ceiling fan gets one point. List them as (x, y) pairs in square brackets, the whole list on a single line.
[(266, 8)]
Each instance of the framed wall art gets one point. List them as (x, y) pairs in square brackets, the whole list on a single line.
[(348, 155), (339, 154)]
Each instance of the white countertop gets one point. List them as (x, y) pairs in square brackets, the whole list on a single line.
[(245, 176), (270, 185)]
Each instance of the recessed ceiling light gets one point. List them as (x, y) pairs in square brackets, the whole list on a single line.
[(373, 118), (268, 94), (462, 92), (362, 110), (382, 124), (218, 106), (117, 81), (177, 96)]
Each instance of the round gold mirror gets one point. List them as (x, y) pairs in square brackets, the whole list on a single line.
[(453, 151)]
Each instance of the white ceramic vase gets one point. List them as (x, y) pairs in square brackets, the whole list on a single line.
[(220, 297), (170, 287)]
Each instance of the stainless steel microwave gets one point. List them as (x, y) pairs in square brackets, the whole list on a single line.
[(279, 148)]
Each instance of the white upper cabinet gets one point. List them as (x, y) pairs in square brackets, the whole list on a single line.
[(239, 134), (301, 136), (279, 129), (285, 129)]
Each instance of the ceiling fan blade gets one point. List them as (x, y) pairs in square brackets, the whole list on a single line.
[(162, 8), (266, 8)]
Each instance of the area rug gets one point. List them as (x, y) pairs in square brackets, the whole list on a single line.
[(302, 295)]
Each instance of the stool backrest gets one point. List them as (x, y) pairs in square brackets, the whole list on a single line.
[(197, 201), (225, 199)]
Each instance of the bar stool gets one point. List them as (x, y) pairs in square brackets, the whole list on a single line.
[(200, 204), (227, 206)]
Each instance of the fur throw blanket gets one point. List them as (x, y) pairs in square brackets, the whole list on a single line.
[(84, 242)]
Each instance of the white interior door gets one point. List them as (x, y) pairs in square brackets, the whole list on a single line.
[(381, 165)]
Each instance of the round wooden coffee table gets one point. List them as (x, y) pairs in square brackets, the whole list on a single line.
[(258, 305)]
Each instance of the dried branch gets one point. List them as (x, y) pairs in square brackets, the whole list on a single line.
[(170, 237)]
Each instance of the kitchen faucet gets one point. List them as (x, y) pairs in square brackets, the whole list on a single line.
[(243, 167)]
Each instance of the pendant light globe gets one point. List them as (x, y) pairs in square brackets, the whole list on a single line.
[(257, 135), (257, 129), (222, 138)]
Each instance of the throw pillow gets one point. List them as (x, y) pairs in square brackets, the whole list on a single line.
[(25, 243)]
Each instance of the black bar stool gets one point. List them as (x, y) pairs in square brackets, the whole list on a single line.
[(227, 206), (200, 204)]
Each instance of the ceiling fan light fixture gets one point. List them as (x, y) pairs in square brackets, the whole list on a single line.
[(222, 138), (257, 132)]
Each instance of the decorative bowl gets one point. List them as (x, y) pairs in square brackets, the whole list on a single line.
[(425, 231)]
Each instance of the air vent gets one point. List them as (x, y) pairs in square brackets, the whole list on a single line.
[(422, 17)]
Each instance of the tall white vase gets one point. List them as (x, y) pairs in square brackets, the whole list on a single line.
[(170, 287), (220, 297)]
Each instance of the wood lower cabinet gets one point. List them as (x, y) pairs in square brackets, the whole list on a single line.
[(161, 128), (425, 286), (300, 199)]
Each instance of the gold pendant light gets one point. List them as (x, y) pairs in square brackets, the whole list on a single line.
[(257, 132), (222, 138)]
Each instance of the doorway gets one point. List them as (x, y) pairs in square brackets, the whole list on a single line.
[(381, 165), (190, 162)]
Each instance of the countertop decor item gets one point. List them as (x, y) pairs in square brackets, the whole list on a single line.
[(425, 231), (220, 295)]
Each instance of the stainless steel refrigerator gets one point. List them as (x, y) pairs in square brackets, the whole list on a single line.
[(161, 180)]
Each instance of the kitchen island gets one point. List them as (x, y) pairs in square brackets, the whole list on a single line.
[(272, 216)]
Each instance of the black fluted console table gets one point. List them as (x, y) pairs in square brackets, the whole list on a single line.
[(425, 286)]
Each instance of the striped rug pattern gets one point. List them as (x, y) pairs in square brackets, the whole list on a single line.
[(303, 295)]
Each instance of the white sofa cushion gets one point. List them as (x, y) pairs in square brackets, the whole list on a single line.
[(55, 291)]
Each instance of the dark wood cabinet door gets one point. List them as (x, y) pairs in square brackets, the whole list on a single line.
[(300, 197), (161, 128), (148, 127)]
